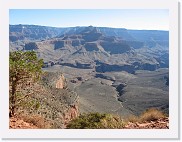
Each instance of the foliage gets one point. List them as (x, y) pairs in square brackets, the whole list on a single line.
[(96, 121), (25, 102), (148, 115), (151, 114), (37, 120), (24, 68)]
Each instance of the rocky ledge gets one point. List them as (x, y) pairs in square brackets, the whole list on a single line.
[(162, 123)]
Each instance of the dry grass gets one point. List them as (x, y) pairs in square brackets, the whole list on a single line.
[(151, 114), (132, 118), (36, 120)]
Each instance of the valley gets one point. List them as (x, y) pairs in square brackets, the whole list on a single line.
[(117, 71)]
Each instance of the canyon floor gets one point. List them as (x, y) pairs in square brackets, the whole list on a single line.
[(100, 92)]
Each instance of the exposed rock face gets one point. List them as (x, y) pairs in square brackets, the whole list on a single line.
[(99, 75), (31, 46), (61, 83), (135, 44), (91, 46), (62, 43), (103, 67), (98, 51), (91, 34), (120, 32), (33, 32), (15, 36), (55, 80), (76, 42), (59, 44), (120, 88), (79, 65), (58, 105), (149, 38), (115, 47), (146, 66), (88, 44), (71, 114)]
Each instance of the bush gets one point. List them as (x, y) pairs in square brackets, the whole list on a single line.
[(151, 114), (96, 121), (36, 120), (132, 118)]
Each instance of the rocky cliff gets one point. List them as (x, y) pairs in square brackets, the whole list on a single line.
[(103, 57), (57, 105), (84, 48)]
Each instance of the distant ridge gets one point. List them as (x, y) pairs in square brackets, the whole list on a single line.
[(21, 32)]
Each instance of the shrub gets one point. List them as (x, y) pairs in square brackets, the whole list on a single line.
[(132, 118), (36, 120), (96, 121), (151, 114)]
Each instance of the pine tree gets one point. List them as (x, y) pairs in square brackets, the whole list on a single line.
[(24, 67)]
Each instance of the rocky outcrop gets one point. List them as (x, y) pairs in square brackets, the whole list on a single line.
[(72, 113), (59, 44), (33, 32), (31, 46), (61, 83), (162, 123), (68, 98), (115, 47), (135, 44), (89, 46), (151, 38), (15, 36), (76, 42), (91, 34), (62, 43), (103, 67), (55, 80), (120, 88), (99, 75), (79, 65)]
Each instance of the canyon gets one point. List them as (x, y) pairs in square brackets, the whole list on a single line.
[(99, 69)]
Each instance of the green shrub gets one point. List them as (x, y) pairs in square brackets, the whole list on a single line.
[(96, 121)]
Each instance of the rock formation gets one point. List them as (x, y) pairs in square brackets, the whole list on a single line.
[(61, 83), (68, 100), (55, 80), (31, 46)]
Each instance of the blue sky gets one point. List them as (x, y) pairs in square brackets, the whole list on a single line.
[(151, 19)]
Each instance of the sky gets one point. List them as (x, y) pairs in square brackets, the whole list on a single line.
[(149, 19)]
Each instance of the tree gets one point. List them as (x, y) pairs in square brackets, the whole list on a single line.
[(24, 67)]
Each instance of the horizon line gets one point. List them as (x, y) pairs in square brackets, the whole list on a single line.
[(88, 26)]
